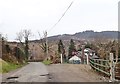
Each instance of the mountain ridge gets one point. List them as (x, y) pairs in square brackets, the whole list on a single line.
[(87, 35)]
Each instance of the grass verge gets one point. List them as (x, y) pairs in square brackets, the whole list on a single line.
[(46, 62), (6, 66)]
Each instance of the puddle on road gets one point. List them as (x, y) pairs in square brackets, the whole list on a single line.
[(11, 80), (49, 76), (44, 75), (12, 77)]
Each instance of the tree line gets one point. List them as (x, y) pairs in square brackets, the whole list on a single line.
[(101, 49)]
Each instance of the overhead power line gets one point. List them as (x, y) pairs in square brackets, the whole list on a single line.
[(61, 16), (54, 26)]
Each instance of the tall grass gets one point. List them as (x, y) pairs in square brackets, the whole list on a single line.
[(6, 66)]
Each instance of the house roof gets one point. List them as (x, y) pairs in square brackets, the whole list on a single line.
[(74, 58), (88, 50)]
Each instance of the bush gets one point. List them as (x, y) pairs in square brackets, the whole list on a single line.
[(46, 62), (19, 54)]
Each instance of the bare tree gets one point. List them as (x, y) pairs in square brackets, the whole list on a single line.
[(20, 38), (44, 44), (23, 38)]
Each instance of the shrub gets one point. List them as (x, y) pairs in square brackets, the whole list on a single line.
[(46, 62)]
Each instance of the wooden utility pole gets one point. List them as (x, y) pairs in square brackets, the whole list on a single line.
[(83, 55)]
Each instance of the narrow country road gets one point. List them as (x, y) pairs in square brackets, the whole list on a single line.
[(38, 72), (33, 72)]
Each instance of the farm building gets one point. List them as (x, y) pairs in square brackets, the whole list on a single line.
[(75, 60)]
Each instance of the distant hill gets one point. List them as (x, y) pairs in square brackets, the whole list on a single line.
[(80, 38), (86, 35)]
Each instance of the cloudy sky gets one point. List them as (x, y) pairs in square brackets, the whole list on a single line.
[(41, 15)]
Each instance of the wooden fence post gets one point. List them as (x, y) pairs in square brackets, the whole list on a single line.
[(87, 59), (112, 72)]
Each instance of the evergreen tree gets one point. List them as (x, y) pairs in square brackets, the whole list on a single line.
[(61, 47), (71, 48)]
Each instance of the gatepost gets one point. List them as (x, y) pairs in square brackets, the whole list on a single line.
[(112, 66)]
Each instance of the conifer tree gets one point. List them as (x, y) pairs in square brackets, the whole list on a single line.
[(71, 48)]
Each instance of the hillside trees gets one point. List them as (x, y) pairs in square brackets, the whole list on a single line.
[(104, 49), (7, 52)]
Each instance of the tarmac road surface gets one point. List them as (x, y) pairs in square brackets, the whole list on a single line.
[(73, 73), (38, 72), (33, 72)]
